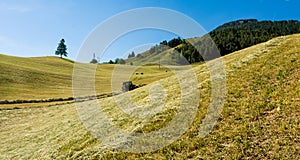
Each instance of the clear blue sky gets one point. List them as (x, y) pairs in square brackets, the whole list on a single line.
[(32, 28)]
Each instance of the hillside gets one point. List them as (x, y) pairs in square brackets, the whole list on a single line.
[(259, 120), (44, 78), (34, 78), (229, 37)]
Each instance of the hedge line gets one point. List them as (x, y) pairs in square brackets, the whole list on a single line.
[(77, 99)]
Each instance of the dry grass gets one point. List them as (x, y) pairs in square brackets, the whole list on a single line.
[(260, 118), (51, 77), (34, 78)]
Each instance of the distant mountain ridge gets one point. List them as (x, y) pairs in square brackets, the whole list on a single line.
[(227, 38)]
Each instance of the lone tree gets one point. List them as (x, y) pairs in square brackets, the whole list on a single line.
[(94, 60), (61, 49)]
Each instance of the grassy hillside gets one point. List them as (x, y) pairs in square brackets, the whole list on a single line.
[(51, 77), (32, 78), (229, 37), (260, 118), (146, 58)]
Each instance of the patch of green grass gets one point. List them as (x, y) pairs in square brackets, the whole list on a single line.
[(72, 149)]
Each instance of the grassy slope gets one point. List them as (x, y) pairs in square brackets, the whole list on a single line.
[(161, 57), (33, 78), (260, 118), (147, 58), (51, 77)]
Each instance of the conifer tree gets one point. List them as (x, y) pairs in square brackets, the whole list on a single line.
[(61, 49)]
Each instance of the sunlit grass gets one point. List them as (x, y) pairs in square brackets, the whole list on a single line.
[(51, 77), (260, 118)]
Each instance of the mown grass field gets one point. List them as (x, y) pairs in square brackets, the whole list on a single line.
[(33, 78), (259, 120), (51, 77)]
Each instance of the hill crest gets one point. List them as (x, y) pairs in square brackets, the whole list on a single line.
[(227, 38)]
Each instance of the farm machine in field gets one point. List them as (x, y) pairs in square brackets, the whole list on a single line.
[(128, 86)]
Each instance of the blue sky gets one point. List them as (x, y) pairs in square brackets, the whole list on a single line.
[(32, 28)]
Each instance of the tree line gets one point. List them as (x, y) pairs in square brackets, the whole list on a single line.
[(230, 37)]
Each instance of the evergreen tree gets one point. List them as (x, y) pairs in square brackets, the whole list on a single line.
[(132, 54), (94, 60), (61, 49)]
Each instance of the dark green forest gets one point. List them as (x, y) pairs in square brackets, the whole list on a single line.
[(229, 37)]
